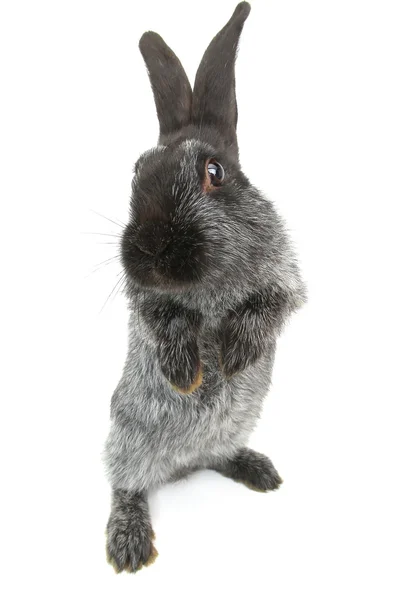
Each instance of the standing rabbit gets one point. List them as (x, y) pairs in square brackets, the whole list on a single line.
[(211, 280)]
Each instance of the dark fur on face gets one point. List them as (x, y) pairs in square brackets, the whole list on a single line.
[(181, 234)]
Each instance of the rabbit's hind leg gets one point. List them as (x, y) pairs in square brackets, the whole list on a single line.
[(129, 532), (253, 469)]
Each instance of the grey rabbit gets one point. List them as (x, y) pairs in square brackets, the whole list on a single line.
[(211, 280)]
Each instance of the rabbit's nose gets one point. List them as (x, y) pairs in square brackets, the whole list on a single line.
[(153, 237)]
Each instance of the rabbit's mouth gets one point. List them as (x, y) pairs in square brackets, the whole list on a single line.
[(156, 256)]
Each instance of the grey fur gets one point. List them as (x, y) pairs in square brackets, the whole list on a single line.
[(209, 295), (129, 532)]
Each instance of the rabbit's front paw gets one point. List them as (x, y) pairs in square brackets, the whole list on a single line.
[(233, 358), (238, 349), (180, 364), (129, 544)]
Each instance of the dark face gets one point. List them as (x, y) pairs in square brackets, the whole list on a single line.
[(179, 234)]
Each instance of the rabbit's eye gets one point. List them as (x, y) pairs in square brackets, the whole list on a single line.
[(215, 172)]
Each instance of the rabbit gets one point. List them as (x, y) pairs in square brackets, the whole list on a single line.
[(210, 279)]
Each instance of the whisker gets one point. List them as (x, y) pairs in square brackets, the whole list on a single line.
[(114, 288), (101, 265), (107, 260), (122, 287), (119, 224), (109, 243), (117, 235)]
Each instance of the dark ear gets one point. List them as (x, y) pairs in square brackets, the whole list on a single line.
[(214, 97), (171, 87)]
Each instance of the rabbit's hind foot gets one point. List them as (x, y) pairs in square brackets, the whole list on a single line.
[(253, 469)]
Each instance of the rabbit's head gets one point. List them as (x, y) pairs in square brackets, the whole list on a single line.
[(195, 219)]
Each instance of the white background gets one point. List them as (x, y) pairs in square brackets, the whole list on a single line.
[(319, 131)]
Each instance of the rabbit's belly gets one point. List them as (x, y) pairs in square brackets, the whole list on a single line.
[(156, 433), (140, 455), (217, 425)]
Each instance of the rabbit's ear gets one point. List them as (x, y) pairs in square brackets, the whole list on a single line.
[(171, 87), (214, 97)]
